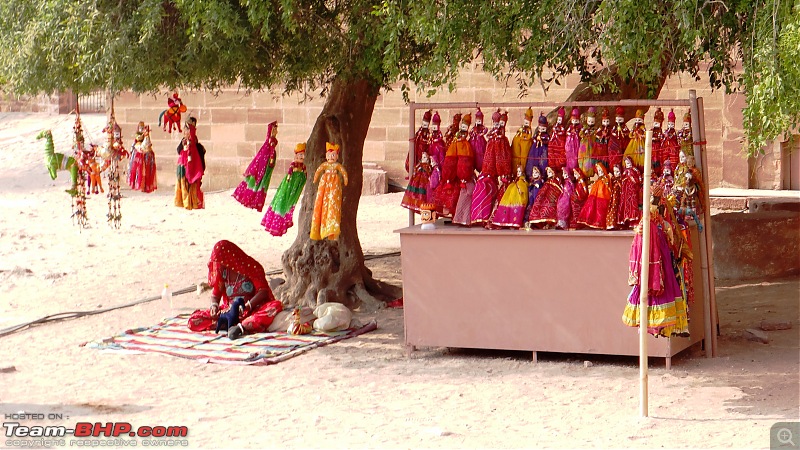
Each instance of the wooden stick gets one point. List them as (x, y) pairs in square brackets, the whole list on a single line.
[(412, 122), (708, 329), (712, 294), (644, 277)]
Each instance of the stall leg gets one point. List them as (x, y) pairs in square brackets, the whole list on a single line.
[(535, 357), (410, 349), (668, 362)]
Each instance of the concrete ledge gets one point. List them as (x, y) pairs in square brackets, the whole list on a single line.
[(729, 203), (774, 204), (376, 181), (756, 245)]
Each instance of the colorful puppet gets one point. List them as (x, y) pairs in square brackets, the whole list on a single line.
[(58, 161), (172, 115), (326, 221), (252, 191), (278, 218)]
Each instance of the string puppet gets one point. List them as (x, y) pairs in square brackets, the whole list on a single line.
[(172, 115), (278, 218), (56, 162)]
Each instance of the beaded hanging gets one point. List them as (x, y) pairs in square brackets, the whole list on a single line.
[(116, 151), (79, 199)]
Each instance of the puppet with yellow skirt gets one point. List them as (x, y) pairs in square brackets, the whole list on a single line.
[(328, 206)]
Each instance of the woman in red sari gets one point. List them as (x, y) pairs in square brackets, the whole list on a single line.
[(233, 274)]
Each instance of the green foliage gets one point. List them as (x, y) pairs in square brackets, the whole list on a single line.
[(302, 45)]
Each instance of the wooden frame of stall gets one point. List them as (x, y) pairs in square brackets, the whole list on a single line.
[(541, 290)]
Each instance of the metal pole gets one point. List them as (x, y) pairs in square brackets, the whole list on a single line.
[(644, 277), (707, 322), (412, 116)]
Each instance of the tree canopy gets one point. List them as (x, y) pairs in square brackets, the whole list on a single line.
[(303, 45)]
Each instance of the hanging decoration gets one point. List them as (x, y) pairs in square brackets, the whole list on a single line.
[(79, 198), (252, 191), (172, 115), (326, 221), (278, 218), (113, 152)]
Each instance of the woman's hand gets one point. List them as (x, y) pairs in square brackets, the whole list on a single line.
[(214, 311)]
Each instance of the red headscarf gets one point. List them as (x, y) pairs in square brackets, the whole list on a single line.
[(228, 255)]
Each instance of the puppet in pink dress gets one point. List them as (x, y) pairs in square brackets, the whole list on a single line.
[(510, 212), (436, 149), (564, 203), (477, 139), (579, 196), (252, 191), (573, 141), (556, 157), (630, 194), (544, 210)]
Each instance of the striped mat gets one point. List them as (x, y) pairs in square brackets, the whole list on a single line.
[(173, 337)]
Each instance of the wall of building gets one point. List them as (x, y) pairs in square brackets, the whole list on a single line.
[(232, 125), (10, 102)]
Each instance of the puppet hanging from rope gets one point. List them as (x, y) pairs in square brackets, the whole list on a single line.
[(79, 199), (113, 152), (172, 115), (56, 162)]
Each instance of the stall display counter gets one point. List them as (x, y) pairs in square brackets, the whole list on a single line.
[(538, 290)]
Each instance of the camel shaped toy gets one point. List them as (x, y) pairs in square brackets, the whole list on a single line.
[(56, 162)]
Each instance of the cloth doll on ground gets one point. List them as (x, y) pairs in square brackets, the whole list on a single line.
[(635, 147), (421, 139), (618, 141), (234, 275), (534, 186), (252, 191), (631, 194), (573, 142), (594, 212), (326, 222), (417, 189), (544, 210), (521, 144), (602, 136), (537, 156), (191, 166), (579, 196), (662, 289), (564, 203), (558, 138), (670, 147), (278, 218), (477, 139), (510, 212), (586, 156)]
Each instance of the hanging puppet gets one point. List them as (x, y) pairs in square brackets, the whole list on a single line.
[(558, 138), (685, 134), (669, 141), (465, 171), (55, 162), (537, 156), (326, 221), (544, 210), (278, 218), (631, 194), (172, 115), (534, 186), (417, 189), (436, 149), (564, 203), (635, 147), (618, 140), (594, 212), (579, 196), (573, 141), (522, 141), (79, 199), (602, 136), (484, 196), (113, 152), (586, 151), (658, 140), (252, 191), (510, 210), (421, 139), (477, 139)]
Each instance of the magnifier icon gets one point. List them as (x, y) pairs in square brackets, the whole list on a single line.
[(784, 436)]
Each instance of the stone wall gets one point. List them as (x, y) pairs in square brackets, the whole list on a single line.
[(9, 102)]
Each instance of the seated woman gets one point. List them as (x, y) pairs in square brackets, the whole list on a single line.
[(233, 274)]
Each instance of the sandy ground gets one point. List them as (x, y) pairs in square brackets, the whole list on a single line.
[(359, 393)]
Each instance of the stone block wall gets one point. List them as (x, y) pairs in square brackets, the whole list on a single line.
[(9, 102)]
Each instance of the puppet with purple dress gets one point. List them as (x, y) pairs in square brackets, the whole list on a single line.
[(534, 186), (537, 157)]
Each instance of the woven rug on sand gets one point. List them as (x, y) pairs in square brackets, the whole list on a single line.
[(173, 337)]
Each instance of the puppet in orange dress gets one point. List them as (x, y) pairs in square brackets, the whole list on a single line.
[(595, 210), (326, 222), (232, 275)]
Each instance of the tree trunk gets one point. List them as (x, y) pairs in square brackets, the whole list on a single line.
[(333, 271)]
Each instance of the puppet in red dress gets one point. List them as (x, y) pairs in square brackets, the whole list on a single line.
[(421, 138), (558, 137), (618, 141)]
